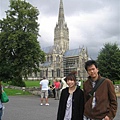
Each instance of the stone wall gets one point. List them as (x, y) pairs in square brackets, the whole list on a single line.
[(36, 90), (117, 88)]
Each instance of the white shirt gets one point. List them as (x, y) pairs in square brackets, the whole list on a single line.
[(68, 112), (93, 102), (44, 83)]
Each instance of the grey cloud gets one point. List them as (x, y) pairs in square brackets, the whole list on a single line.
[(3, 7), (95, 35)]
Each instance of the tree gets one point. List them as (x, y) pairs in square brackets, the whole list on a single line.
[(109, 61), (20, 52)]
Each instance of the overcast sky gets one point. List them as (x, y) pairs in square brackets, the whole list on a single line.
[(91, 23)]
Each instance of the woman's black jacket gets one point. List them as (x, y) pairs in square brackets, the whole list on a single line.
[(77, 104)]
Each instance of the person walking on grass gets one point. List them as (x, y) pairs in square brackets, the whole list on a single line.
[(71, 103), (44, 90), (102, 105)]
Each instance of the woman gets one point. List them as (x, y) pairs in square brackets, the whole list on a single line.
[(57, 89), (1, 106), (71, 104)]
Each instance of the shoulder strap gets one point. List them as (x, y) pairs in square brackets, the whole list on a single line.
[(96, 86)]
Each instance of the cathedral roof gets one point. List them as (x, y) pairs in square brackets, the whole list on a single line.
[(45, 64), (48, 50), (73, 52)]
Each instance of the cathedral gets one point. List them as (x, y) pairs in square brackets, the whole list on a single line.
[(60, 60)]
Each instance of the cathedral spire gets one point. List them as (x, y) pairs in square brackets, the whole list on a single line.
[(61, 18), (61, 31)]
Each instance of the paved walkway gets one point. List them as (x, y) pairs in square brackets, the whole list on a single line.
[(28, 108)]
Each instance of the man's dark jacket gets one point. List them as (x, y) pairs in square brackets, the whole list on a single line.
[(106, 102)]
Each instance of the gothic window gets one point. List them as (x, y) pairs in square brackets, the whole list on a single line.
[(57, 59), (43, 73), (78, 73), (58, 72), (47, 73), (51, 58), (52, 73), (47, 58)]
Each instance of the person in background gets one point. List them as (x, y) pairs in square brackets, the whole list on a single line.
[(44, 90), (1, 105), (61, 84), (71, 103), (57, 89), (64, 83), (79, 83), (53, 87), (103, 104)]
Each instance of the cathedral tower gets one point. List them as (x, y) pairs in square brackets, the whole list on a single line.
[(61, 32)]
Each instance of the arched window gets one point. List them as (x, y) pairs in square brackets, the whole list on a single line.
[(47, 73), (58, 72), (57, 59), (53, 73), (79, 73), (51, 58), (47, 58)]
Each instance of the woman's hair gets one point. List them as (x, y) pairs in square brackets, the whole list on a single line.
[(71, 76), (56, 80)]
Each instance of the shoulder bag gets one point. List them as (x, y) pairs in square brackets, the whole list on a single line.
[(95, 88)]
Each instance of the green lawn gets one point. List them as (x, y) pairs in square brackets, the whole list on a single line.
[(117, 82), (32, 83), (13, 92), (28, 83)]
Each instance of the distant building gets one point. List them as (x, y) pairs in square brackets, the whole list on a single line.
[(60, 61)]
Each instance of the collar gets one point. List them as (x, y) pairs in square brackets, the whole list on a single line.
[(99, 77)]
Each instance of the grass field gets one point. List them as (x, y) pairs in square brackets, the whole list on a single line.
[(117, 82), (13, 92), (28, 83), (32, 83)]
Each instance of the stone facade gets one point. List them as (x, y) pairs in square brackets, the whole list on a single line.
[(60, 60)]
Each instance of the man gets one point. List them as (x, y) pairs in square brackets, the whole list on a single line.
[(103, 104), (44, 90)]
